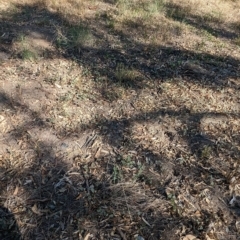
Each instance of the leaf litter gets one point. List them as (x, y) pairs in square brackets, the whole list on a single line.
[(152, 154)]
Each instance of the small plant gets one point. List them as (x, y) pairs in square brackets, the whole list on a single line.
[(173, 203), (80, 36), (128, 162), (125, 76), (156, 6), (116, 174), (27, 54), (109, 20), (206, 152), (102, 211), (61, 40), (208, 35), (21, 38), (139, 174), (110, 23)]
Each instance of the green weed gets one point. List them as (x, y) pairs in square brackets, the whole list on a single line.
[(116, 175), (206, 152), (125, 76), (80, 36), (139, 174), (26, 53)]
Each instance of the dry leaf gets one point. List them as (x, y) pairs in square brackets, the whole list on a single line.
[(35, 209), (207, 200), (15, 191), (1, 118), (87, 236), (79, 196), (197, 213), (208, 237), (190, 237), (97, 154)]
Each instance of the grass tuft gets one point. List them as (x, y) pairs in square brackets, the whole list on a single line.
[(177, 12), (125, 76), (27, 54), (80, 36), (156, 6)]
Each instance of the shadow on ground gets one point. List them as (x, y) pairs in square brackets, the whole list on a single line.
[(8, 227), (89, 44), (211, 24), (86, 197)]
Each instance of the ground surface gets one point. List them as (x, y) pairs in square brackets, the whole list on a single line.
[(119, 119)]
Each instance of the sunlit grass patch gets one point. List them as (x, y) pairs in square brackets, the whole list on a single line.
[(25, 51), (77, 36), (155, 7), (8, 10), (148, 21), (80, 35), (126, 76), (144, 9), (177, 12), (27, 54), (214, 17)]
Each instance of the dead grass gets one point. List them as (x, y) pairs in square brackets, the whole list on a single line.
[(122, 122)]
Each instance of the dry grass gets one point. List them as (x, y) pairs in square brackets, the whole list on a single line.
[(119, 119)]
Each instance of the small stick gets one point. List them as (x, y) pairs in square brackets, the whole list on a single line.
[(121, 233), (146, 222), (127, 204)]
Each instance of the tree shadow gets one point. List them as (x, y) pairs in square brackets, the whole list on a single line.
[(129, 66), (69, 198), (202, 172), (53, 193), (207, 23), (8, 227), (63, 195)]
